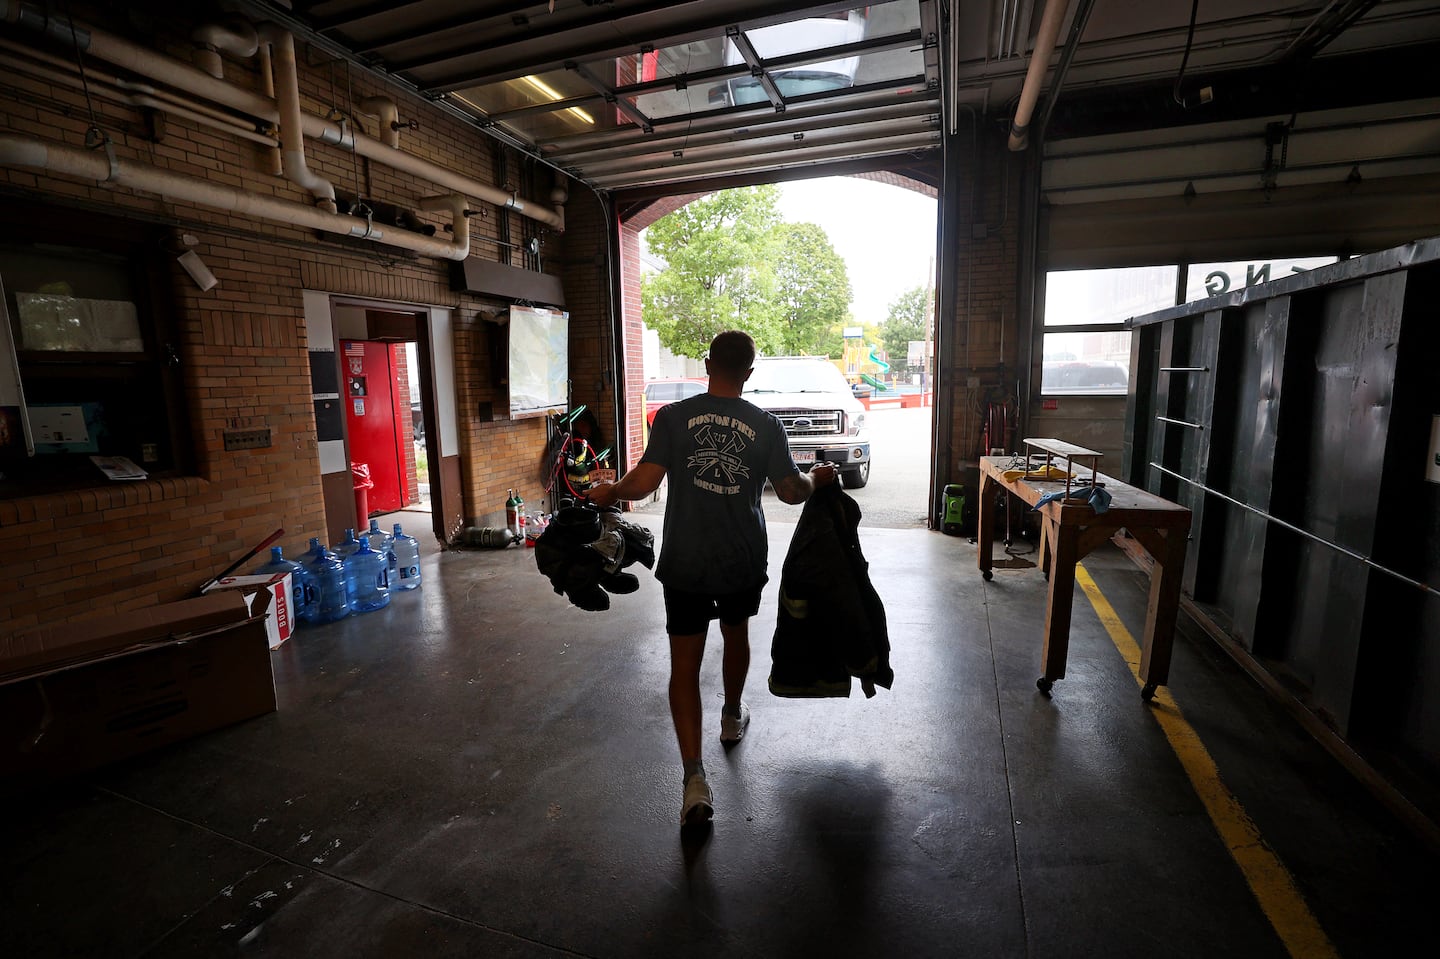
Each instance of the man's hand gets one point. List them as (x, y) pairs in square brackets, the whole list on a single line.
[(603, 495), (824, 474)]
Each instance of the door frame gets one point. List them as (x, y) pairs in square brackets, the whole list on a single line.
[(431, 335)]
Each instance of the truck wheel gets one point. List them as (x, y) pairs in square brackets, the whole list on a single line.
[(856, 478)]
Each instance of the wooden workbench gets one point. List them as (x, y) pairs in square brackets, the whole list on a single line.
[(1070, 529)]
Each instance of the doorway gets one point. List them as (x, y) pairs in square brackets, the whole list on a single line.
[(377, 417), (395, 394)]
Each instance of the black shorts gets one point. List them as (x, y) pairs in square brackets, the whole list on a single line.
[(689, 613)]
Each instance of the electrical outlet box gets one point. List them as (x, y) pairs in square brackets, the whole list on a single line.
[(247, 439)]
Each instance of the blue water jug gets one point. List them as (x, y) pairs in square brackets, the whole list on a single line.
[(311, 554), (347, 546), (405, 567), (302, 589), (369, 575), (380, 542), (332, 589)]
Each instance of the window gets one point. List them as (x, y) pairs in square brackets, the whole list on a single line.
[(1213, 279), (1086, 348), (89, 343)]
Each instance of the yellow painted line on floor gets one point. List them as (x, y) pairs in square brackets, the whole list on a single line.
[(1266, 875)]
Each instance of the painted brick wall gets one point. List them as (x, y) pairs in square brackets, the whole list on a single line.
[(243, 344)]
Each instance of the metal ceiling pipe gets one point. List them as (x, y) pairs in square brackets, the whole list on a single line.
[(1035, 75), (182, 76), (107, 169)]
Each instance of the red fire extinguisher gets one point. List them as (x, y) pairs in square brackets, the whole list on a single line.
[(515, 514)]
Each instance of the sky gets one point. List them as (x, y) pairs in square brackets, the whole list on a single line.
[(885, 235)]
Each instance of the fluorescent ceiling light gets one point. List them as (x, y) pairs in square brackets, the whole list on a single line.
[(554, 95)]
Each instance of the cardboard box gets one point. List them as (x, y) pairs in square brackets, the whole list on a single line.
[(280, 621), (78, 695)]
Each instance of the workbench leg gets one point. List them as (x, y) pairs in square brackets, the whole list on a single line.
[(1064, 545), (1161, 612), (1045, 537), (985, 524)]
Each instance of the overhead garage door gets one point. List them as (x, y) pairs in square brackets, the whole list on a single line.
[(1333, 182)]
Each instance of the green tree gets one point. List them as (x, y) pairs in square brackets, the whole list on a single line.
[(906, 322), (812, 289), (717, 275), (731, 263)]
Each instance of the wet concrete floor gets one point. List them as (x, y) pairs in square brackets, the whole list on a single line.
[(481, 769)]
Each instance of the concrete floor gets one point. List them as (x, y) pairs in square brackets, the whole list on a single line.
[(482, 770)]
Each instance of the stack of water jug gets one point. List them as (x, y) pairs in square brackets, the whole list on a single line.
[(355, 576)]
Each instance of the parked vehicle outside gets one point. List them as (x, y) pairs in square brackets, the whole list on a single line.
[(662, 391), (1079, 376), (822, 418)]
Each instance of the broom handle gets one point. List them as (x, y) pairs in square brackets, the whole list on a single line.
[(242, 560)]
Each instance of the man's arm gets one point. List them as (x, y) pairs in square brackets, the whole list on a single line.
[(797, 487), (641, 481)]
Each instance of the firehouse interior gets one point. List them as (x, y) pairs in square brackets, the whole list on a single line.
[(312, 307)]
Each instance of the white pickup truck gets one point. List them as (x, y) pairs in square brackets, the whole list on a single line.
[(822, 417)]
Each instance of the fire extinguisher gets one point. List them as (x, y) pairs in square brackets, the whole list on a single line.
[(515, 514)]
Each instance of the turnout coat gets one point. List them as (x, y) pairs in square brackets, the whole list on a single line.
[(831, 624)]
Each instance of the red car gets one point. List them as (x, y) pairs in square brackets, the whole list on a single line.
[(660, 392)]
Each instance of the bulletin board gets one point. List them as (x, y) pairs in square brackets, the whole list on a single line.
[(539, 370)]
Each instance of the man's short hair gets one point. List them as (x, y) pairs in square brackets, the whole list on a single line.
[(733, 352)]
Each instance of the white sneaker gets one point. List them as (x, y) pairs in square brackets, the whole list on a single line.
[(699, 803), (732, 728)]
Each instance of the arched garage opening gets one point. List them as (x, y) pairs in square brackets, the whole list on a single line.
[(882, 227)]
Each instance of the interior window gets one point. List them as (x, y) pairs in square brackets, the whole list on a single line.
[(89, 366)]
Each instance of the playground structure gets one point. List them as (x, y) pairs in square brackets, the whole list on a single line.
[(862, 363)]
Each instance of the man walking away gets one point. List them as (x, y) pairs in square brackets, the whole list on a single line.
[(718, 450)]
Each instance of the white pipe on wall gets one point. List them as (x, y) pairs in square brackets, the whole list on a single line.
[(151, 100), (292, 130), (389, 114), (182, 76), (33, 154), (1035, 73), (237, 37)]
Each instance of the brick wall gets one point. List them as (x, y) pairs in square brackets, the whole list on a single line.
[(243, 344), (983, 333)]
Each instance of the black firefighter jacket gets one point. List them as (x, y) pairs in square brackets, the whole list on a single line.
[(831, 625), (584, 551)]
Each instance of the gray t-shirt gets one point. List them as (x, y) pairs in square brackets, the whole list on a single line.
[(717, 453)]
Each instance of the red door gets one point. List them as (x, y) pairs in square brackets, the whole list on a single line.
[(371, 415)]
